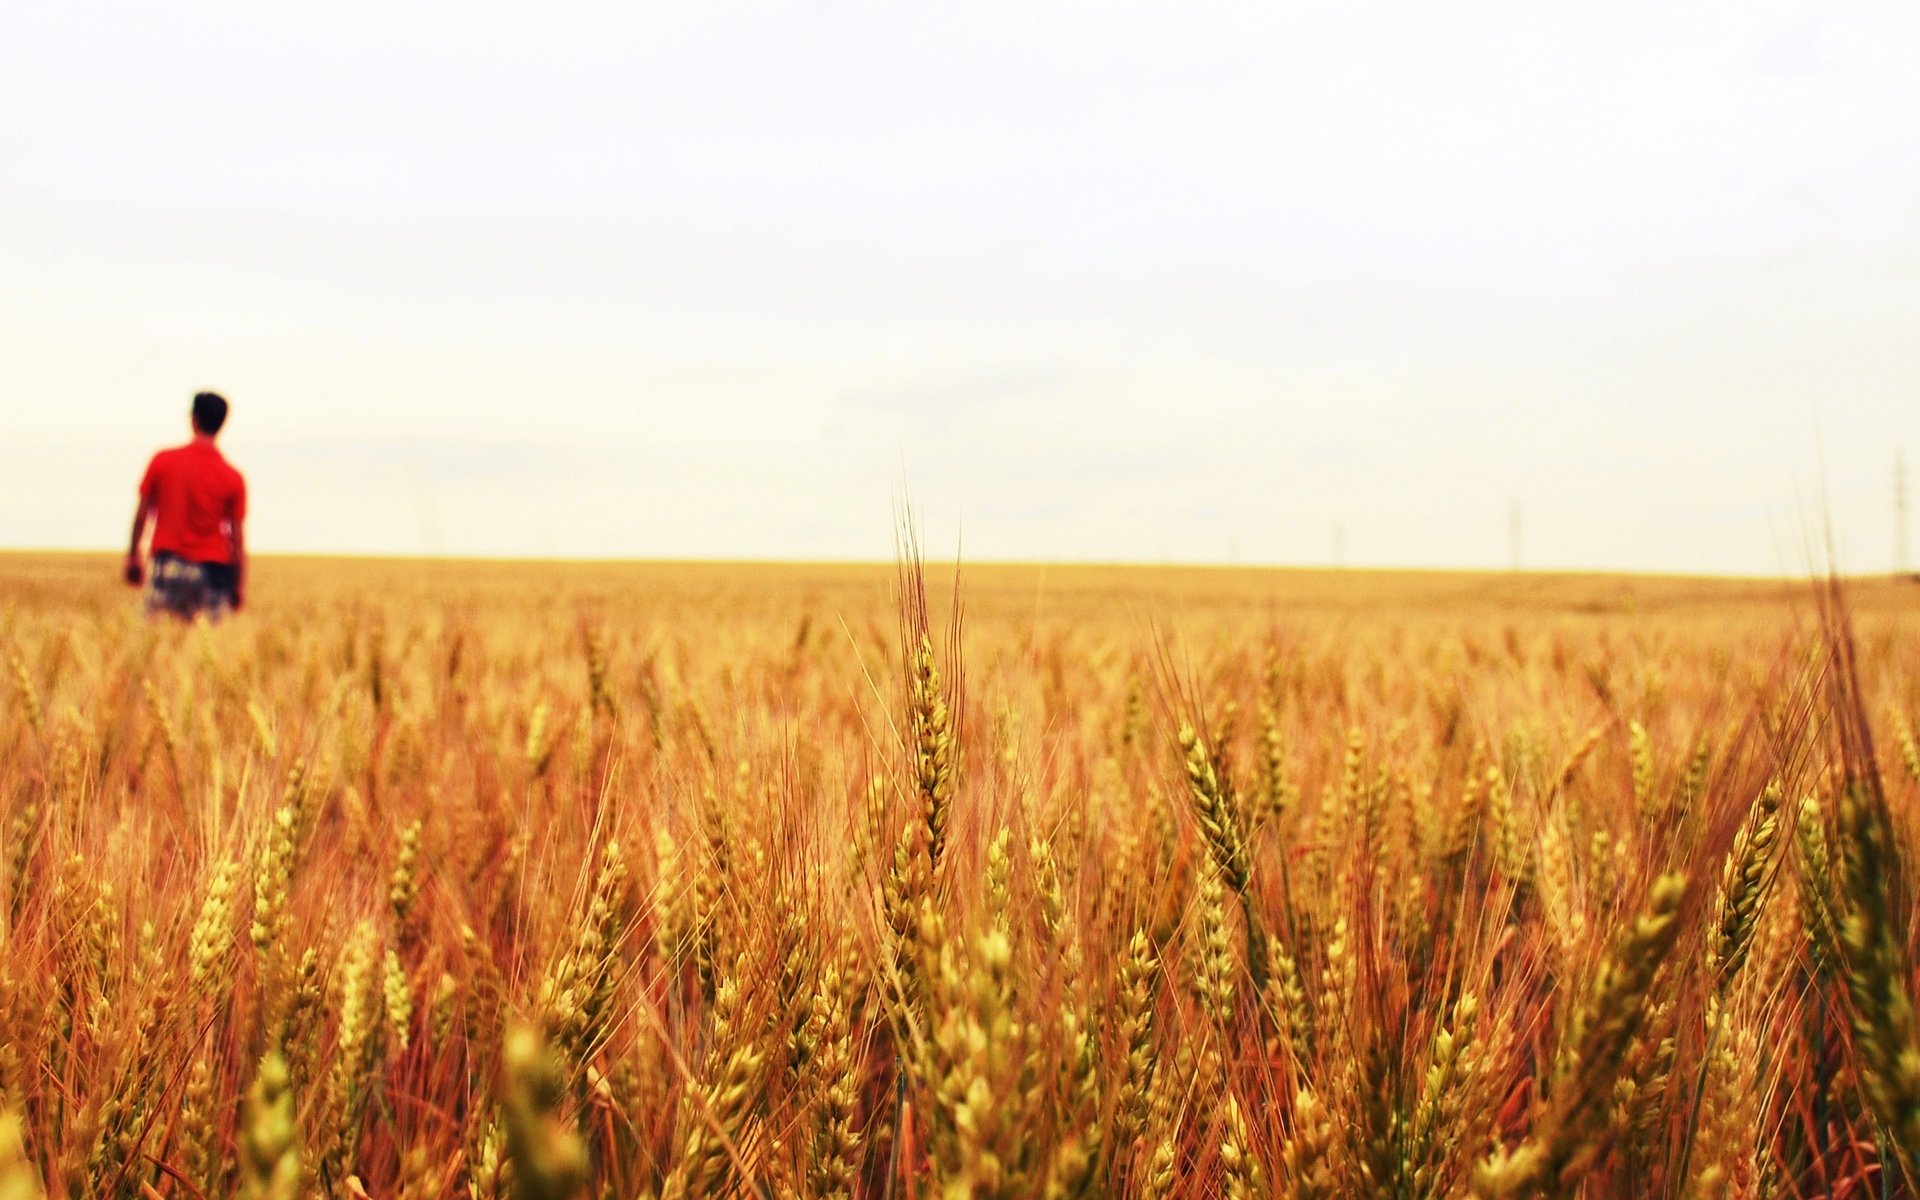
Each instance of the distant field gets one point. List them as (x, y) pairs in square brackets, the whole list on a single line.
[(993, 591), (453, 879)]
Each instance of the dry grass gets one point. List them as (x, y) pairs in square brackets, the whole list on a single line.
[(434, 880)]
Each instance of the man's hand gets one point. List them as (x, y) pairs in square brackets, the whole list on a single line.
[(239, 596), (133, 573)]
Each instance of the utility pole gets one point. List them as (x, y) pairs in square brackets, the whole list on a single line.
[(1899, 513), (1513, 531)]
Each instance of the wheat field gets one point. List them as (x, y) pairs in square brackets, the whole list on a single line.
[(433, 880)]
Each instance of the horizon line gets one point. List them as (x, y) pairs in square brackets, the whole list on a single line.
[(1036, 563)]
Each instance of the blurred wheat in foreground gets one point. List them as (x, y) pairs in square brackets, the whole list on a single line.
[(433, 881)]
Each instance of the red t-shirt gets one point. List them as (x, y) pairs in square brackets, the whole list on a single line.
[(198, 502)]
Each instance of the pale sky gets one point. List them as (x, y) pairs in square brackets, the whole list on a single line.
[(1186, 282)]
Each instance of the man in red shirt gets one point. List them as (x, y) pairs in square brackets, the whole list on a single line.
[(198, 503)]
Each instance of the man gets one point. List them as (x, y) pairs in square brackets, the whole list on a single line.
[(198, 503)]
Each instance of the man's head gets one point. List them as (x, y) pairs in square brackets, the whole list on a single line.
[(209, 412)]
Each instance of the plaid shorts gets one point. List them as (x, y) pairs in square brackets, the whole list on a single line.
[(187, 589)]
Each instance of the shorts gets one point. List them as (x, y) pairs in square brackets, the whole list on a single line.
[(186, 589)]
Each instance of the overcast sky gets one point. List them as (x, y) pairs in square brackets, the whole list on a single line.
[(1187, 282)]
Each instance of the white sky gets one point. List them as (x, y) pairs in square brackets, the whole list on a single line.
[(1188, 282)]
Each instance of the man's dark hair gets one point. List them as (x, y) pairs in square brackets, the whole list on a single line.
[(209, 412)]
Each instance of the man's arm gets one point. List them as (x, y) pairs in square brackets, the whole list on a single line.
[(239, 567), (133, 572), (236, 533)]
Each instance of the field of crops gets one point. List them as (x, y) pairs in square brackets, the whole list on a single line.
[(544, 881)]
